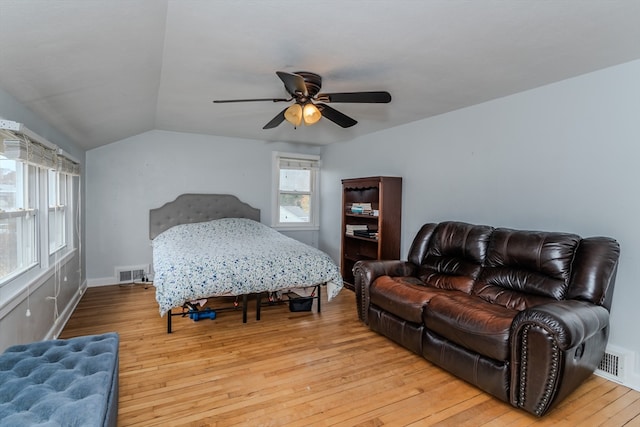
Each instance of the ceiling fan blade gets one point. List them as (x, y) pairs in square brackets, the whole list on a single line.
[(336, 116), (293, 82), (221, 101), (363, 97), (275, 122)]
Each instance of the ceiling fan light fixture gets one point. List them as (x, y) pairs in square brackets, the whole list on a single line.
[(293, 114), (311, 114), (304, 89)]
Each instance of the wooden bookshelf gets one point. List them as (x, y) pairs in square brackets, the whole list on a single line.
[(383, 194)]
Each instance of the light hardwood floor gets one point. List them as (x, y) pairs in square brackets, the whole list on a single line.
[(300, 369)]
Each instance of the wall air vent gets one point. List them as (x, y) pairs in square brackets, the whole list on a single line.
[(613, 364), (132, 274)]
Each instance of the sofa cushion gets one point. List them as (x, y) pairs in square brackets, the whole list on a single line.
[(472, 323), (515, 300), (533, 262), (454, 256), (403, 296)]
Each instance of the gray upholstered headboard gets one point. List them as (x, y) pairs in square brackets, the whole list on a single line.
[(188, 208)]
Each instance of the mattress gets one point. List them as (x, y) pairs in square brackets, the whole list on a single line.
[(234, 256)]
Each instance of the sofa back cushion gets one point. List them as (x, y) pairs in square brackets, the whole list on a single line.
[(594, 271), (526, 268), (453, 257)]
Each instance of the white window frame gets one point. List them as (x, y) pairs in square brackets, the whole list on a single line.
[(314, 219), (26, 208), (27, 203), (59, 201)]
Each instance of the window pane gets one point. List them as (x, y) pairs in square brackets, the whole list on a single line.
[(52, 179), (57, 229), (295, 208), (57, 211), (8, 184), (17, 240), (17, 230), (62, 194), (295, 180)]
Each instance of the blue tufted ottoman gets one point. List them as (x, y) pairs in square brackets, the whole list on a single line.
[(72, 382)]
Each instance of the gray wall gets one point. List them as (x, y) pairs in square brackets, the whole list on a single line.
[(127, 178), (563, 157), (15, 326)]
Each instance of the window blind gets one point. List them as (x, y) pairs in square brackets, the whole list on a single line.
[(22, 148), (288, 163), (68, 166), (5, 135)]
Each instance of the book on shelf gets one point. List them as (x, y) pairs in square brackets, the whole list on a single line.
[(361, 208), (366, 233), (350, 229)]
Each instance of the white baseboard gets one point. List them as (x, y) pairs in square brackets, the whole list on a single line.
[(105, 281), (633, 381), (63, 318), (101, 281)]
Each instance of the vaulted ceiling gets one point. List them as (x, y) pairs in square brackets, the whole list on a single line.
[(103, 70)]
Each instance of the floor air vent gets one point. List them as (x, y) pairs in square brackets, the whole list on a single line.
[(132, 274), (612, 365)]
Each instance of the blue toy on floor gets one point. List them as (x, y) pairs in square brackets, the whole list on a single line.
[(207, 313)]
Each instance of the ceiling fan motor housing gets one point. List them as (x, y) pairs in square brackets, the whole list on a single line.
[(312, 81)]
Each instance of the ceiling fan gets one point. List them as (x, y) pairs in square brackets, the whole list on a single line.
[(310, 105)]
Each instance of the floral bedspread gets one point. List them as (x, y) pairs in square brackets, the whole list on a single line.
[(234, 256)]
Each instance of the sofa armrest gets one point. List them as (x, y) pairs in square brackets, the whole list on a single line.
[(366, 272), (554, 348)]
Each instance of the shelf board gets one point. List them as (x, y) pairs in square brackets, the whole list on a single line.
[(355, 215), (358, 257), (365, 239)]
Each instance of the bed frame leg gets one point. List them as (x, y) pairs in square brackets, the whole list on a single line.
[(245, 298), (319, 298), (258, 304), (169, 322)]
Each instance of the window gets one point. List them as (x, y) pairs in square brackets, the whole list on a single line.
[(36, 207), (295, 204), (58, 194), (18, 223)]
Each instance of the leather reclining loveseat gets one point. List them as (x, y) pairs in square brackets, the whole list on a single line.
[(523, 315)]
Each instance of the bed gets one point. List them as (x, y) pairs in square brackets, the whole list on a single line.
[(212, 245)]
